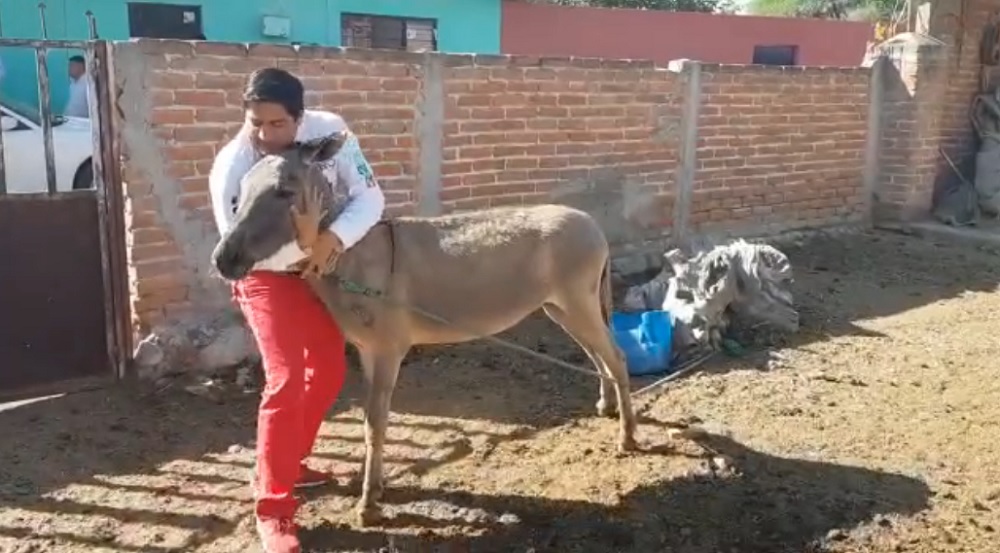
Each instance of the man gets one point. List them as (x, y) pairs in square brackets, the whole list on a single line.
[(301, 345), (79, 89)]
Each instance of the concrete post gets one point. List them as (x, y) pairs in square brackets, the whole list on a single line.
[(430, 135), (687, 162), (873, 139), (914, 85)]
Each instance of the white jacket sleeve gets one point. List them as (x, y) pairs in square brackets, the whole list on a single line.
[(366, 202), (229, 166)]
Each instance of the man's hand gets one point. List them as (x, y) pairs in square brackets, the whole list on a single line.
[(323, 256), (307, 220)]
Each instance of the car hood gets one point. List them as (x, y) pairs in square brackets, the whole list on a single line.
[(75, 124)]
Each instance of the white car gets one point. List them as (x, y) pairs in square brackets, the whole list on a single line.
[(24, 150)]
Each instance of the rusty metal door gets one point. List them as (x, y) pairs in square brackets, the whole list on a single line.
[(63, 301)]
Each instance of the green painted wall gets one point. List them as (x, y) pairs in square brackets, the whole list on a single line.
[(464, 26)]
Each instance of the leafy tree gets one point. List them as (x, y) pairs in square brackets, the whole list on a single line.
[(869, 10), (705, 6)]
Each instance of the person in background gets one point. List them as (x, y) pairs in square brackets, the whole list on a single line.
[(79, 89)]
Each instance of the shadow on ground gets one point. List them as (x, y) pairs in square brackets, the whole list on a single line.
[(842, 279), (80, 439), (778, 505), (771, 504), (839, 281)]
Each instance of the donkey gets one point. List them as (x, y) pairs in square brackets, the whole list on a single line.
[(482, 272)]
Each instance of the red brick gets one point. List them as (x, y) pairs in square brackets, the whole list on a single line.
[(172, 116), (142, 236), (148, 252), (218, 115), (360, 84), (150, 268), (200, 98), (199, 133), (189, 152), (173, 80)]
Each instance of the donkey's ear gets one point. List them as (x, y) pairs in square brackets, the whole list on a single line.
[(323, 148)]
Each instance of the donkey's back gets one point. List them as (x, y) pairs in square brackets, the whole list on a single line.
[(486, 270)]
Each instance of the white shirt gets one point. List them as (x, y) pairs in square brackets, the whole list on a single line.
[(79, 91), (349, 172)]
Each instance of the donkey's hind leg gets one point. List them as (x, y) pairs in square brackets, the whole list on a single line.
[(581, 319), (605, 403)]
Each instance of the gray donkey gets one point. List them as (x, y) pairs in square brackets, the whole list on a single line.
[(482, 271)]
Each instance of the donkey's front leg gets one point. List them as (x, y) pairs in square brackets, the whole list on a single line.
[(381, 380)]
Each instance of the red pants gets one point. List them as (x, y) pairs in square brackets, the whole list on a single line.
[(304, 365)]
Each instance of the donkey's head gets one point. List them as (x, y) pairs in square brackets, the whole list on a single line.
[(263, 224)]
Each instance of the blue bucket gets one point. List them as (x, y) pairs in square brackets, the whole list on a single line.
[(645, 338)]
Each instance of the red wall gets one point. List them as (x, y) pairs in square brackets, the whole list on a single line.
[(547, 30)]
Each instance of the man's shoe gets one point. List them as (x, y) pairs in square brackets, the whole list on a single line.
[(278, 535), (311, 478)]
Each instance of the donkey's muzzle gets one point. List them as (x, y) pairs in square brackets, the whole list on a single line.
[(229, 261)]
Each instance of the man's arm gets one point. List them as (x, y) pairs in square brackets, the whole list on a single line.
[(229, 166), (366, 202)]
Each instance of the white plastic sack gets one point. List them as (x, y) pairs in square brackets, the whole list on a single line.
[(987, 180)]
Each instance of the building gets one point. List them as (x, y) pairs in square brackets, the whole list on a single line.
[(446, 25), (550, 30)]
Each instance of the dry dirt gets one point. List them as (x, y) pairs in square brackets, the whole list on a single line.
[(873, 430)]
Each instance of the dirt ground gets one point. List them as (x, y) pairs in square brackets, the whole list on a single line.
[(875, 429)]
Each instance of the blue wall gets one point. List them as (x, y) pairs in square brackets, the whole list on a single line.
[(464, 26)]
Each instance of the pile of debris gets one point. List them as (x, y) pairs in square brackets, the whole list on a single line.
[(963, 203), (707, 292), (965, 200), (205, 345), (986, 122)]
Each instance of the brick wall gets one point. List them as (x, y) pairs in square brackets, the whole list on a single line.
[(777, 149), (928, 90), (913, 91), (780, 147), (962, 29), (515, 135)]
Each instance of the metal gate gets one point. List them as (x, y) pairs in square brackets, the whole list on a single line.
[(63, 293)]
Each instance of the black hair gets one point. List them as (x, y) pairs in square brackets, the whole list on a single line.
[(274, 85), (77, 59)]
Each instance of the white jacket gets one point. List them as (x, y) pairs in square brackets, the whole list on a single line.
[(349, 171)]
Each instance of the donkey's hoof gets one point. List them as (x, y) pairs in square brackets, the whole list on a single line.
[(627, 445), (606, 409), (369, 515)]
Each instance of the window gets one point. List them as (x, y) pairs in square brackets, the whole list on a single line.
[(164, 21), (775, 55), (393, 33)]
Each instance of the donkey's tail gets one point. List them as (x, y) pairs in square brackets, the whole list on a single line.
[(605, 292)]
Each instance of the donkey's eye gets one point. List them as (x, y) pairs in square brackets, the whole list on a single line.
[(284, 193)]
